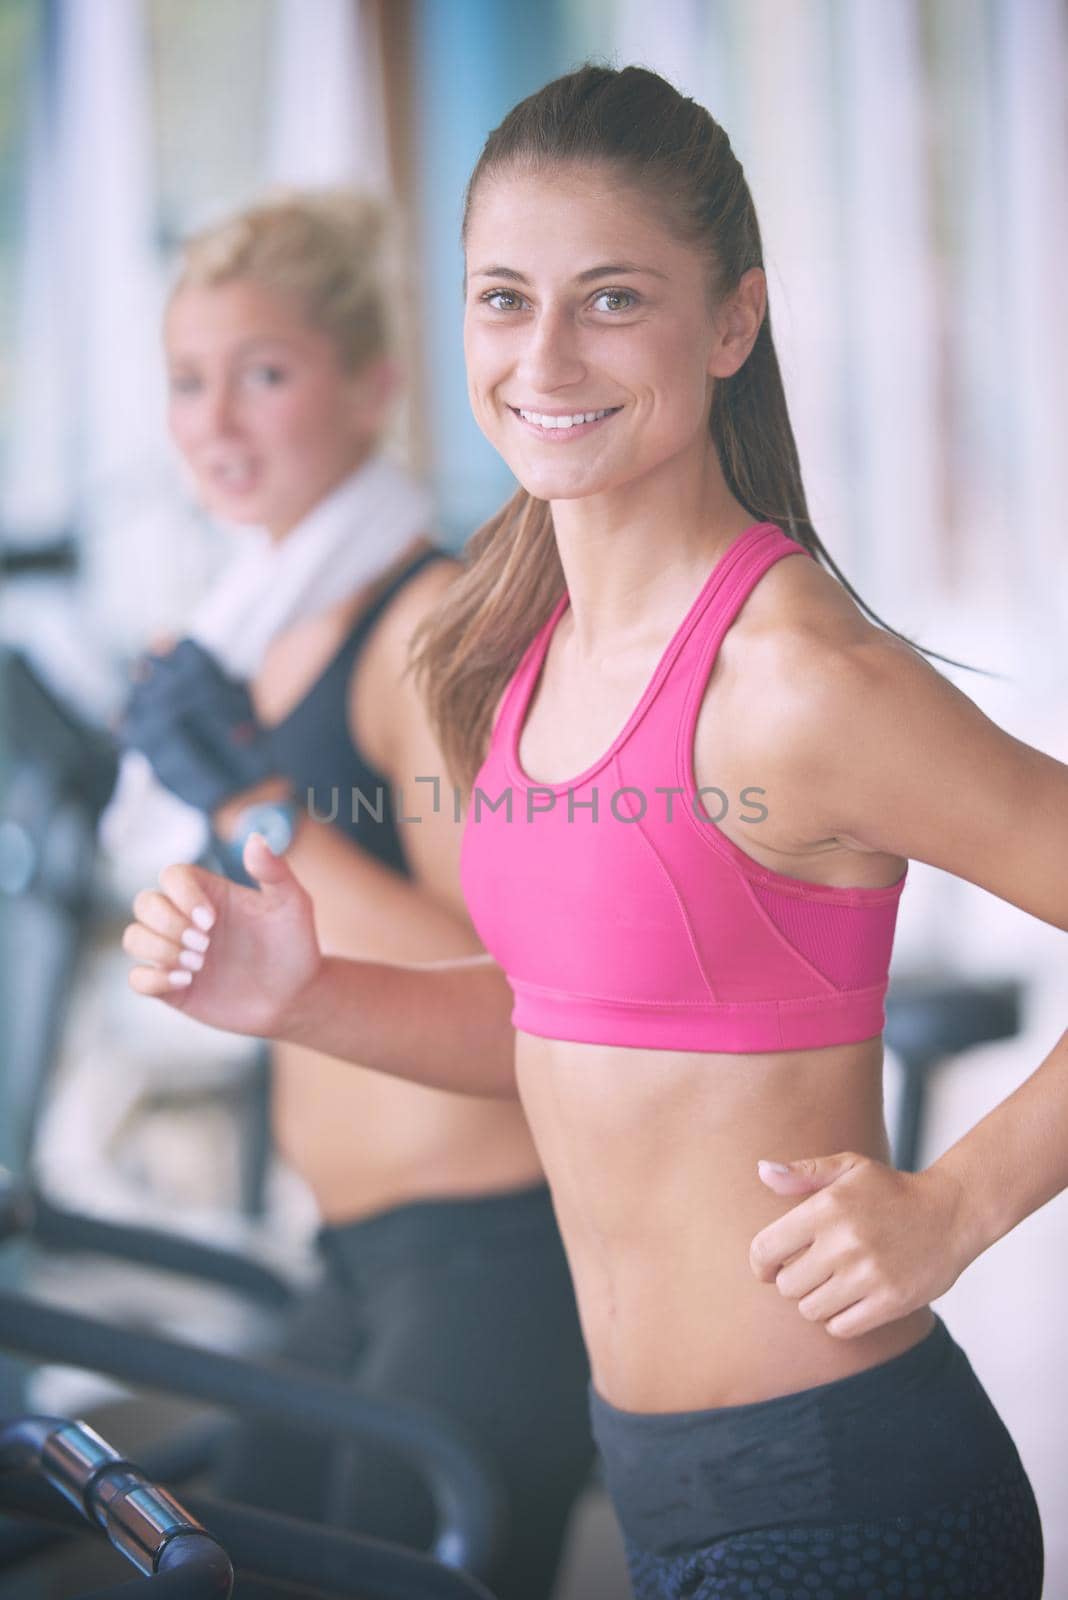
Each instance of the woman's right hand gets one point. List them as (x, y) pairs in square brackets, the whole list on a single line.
[(232, 957), (197, 726)]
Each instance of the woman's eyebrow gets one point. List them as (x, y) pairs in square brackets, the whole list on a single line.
[(243, 347), (610, 269), (258, 340)]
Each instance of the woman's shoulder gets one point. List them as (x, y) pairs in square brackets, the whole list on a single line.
[(419, 596), (793, 682), (389, 642), (800, 673), (799, 616), (299, 655), (384, 701), (799, 649)]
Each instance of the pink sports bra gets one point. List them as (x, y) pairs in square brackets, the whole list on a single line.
[(618, 910)]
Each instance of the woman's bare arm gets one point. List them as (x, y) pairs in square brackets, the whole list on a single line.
[(446, 1024), (261, 972)]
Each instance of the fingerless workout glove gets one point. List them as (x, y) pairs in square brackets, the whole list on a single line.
[(197, 727)]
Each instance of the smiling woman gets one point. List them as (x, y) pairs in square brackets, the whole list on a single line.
[(691, 1010)]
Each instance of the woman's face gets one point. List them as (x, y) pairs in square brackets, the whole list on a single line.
[(261, 408), (580, 305)]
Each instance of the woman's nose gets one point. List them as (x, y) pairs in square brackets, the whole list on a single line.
[(550, 357), (217, 412)]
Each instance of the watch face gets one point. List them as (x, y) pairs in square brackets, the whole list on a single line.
[(275, 822), (277, 830)]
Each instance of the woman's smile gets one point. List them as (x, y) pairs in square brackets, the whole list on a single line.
[(559, 427), (232, 474)]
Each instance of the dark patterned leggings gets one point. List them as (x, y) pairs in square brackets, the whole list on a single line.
[(463, 1305), (986, 1548), (899, 1482)]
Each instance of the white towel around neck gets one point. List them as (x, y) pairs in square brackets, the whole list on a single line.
[(343, 542), (267, 586)]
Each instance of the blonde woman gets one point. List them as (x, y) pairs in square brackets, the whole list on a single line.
[(289, 710), (718, 767)]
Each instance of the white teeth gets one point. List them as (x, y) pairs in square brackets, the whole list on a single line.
[(233, 474), (563, 422)]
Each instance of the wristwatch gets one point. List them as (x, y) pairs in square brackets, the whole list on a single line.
[(276, 820)]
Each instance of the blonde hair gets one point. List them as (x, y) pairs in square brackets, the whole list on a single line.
[(323, 247)]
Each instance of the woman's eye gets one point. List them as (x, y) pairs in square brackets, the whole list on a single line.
[(507, 300), (493, 296), (182, 383), (617, 295), (265, 376)]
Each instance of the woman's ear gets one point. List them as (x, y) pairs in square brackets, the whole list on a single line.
[(738, 320)]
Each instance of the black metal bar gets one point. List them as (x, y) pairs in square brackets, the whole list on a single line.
[(16, 1208), (141, 1520), (256, 1133), (911, 1109), (58, 554), (187, 1452), (284, 1551), (929, 1018), (467, 1497), (19, 1541), (21, 1441), (183, 1455), (58, 1229), (203, 1572), (940, 1016)]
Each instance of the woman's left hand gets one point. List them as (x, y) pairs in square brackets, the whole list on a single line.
[(866, 1245)]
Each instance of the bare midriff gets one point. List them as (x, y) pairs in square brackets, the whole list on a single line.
[(363, 1142), (652, 1160)]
